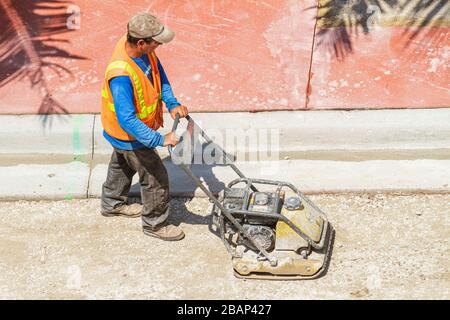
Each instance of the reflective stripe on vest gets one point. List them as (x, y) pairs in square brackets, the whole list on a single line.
[(145, 110)]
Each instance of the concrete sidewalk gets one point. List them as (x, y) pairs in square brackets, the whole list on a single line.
[(66, 156)]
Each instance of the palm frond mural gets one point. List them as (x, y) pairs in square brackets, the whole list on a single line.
[(340, 21), (29, 42)]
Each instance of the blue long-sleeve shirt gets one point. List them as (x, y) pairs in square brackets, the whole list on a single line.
[(123, 95)]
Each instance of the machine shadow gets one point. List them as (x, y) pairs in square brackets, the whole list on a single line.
[(186, 190)]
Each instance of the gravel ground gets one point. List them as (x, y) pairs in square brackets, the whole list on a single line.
[(386, 247)]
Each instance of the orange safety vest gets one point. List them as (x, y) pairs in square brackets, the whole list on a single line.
[(147, 97)]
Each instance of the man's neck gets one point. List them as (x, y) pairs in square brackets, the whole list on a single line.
[(132, 51)]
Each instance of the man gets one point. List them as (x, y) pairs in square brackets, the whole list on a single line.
[(135, 84)]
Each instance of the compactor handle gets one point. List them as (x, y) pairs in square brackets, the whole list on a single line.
[(176, 122), (174, 128)]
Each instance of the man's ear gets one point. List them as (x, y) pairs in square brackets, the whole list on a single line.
[(140, 42)]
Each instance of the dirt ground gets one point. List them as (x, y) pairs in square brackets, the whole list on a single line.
[(386, 247)]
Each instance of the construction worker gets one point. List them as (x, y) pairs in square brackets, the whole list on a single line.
[(134, 88)]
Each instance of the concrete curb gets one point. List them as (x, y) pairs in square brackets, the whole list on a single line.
[(309, 176), (40, 182), (66, 156)]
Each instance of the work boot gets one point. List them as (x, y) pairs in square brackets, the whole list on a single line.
[(167, 232), (126, 210)]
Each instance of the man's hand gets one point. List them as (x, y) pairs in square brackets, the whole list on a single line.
[(171, 139), (182, 110)]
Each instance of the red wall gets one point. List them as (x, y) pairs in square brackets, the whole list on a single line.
[(231, 55)]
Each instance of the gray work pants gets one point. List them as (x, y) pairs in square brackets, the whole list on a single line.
[(153, 179)]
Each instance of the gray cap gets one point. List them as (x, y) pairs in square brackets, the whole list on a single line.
[(144, 25)]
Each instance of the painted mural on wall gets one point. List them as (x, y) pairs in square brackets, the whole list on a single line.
[(381, 54), (233, 56)]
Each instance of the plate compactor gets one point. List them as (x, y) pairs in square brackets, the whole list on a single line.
[(275, 234)]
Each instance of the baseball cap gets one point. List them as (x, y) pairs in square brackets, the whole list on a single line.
[(144, 25)]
